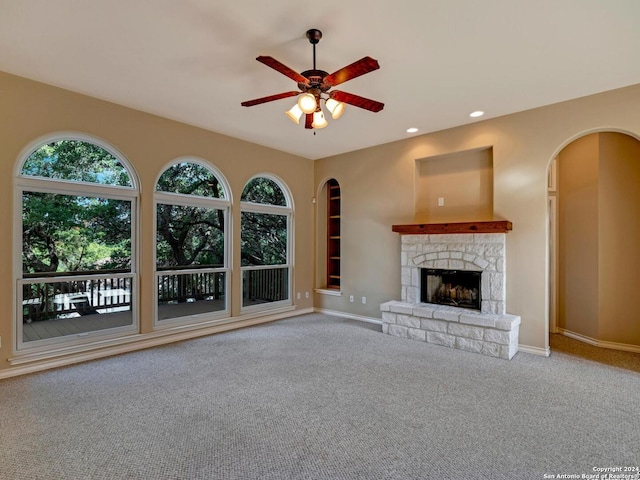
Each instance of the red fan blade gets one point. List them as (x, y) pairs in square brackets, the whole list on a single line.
[(360, 67), (308, 120), (270, 98), (283, 69), (357, 101)]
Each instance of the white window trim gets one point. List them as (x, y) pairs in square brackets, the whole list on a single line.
[(287, 211), (191, 200), (226, 191), (27, 183), (55, 137), (264, 208), (180, 199)]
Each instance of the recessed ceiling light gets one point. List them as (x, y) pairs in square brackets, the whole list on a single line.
[(412, 130), (477, 113)]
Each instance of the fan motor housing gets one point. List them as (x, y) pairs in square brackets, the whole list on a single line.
[(315, 80)]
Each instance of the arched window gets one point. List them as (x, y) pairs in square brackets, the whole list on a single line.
[(192, 210), (78, 264), (266, 218)]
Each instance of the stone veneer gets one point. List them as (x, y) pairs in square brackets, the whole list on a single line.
[(489, 331), (483, 252), (470, 330)]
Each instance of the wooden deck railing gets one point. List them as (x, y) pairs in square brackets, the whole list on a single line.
[(194, 284), (270, 284), (48, 297)]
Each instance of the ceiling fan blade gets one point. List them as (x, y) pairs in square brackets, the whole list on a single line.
[(270, 98), (283, 69), (308, 120), (357, 101), (357, 68)]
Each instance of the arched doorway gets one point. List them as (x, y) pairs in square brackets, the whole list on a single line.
[(594, 231)]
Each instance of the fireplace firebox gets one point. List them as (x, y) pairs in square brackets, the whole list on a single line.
[(458, 288)]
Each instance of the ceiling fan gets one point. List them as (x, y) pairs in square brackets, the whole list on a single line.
[(314, 87)]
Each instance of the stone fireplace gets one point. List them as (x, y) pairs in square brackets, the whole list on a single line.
[(455, 319)]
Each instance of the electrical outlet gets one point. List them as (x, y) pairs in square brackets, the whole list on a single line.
[(351, 298), (298, 296), (364, 300), (306, 294), (441, 201)]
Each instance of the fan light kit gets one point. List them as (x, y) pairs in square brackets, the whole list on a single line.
[(314, 88)]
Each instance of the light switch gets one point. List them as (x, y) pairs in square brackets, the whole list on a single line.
[(441, 201)]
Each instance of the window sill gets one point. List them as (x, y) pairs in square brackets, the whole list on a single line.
[(30, 362), (328, 291)]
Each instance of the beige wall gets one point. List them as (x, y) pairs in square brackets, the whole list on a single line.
[(31, 110), (378, 188), (599, 231), (619, 239), (578, 236)]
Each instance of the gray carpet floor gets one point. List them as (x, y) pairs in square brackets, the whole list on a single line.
[(318, 397)]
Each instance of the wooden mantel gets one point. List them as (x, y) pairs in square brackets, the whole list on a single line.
[(498, 226)]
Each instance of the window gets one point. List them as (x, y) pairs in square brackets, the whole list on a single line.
[(78, 269), (265, 243), (192, 206)]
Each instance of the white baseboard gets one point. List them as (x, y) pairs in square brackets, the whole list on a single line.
[(625, 347), (139, 342), (352, 316), (543, 352), (578, 336)]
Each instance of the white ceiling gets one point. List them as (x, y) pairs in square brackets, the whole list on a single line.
[(194, 60)]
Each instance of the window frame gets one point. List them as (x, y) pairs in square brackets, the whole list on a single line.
[(287, 211), (29, 183), (181, 199)]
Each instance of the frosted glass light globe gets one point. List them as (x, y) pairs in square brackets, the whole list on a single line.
[(307, 103)]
